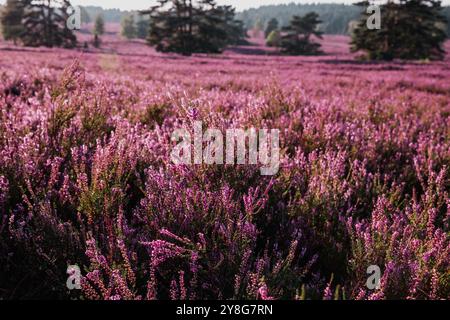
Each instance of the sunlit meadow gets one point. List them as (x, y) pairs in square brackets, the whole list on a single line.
[(86, 177)]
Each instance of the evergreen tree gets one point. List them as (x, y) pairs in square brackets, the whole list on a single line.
[(234, 30), (410, 29), (99, 27), (45, 24), (11, 20), (128, 27), (335, 16), (142, 28), (188, 26), (271, 26), (297, 37)]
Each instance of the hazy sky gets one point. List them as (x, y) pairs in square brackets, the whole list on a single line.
[(239, 4)]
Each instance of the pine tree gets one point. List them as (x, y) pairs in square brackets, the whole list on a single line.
[(99, 28), (11, 20), (44, 24), (210, 30), (142, 28), (128, 27), (221, 28), (297, 37), (188, 26), (410, 29), (271, 26), (171, 26)]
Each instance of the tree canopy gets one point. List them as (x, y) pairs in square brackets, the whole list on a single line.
[(11, 20), (296, 39), (38, 23), (273, 39), (188, 26), (271, 26), (128, 27), (335, 17), (99, 27), (410, 29)]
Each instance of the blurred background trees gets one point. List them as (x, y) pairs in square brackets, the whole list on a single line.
[(410, 29), (335, 17), (85, 17), (38, 23), (296, 39), (274, 39), (271, 26), (142, 27), (11, 20), (99, 30), (99, 26), (128, 27)]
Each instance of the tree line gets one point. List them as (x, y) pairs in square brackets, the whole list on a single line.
[(182, 26), (410, 29), (336, 18)]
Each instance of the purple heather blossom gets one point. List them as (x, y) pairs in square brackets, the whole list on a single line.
[(86, 176)]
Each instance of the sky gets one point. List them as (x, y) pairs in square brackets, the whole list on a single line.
[(239, 4)]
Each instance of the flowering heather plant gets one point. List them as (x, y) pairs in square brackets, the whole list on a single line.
[(86, 177)]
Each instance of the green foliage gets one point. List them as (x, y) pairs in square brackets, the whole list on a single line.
[(99, 28), (297, 40), (154, 115), (234, 29), (128, 27), (271, 26), (274, 39), (410, 29), (446, 14), (335, 16), (142, 28), (193, 27), (11, 20), (44, 24), (108, 15)]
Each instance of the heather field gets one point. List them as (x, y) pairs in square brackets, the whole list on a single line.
[(86, 177)]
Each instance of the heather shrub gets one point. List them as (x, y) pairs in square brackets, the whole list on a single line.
[(86, 179)]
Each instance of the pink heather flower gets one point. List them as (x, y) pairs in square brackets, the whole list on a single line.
[(174, 290), (162, 251), (86, 175), (182, 286), (263, 293), (327, 293)]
